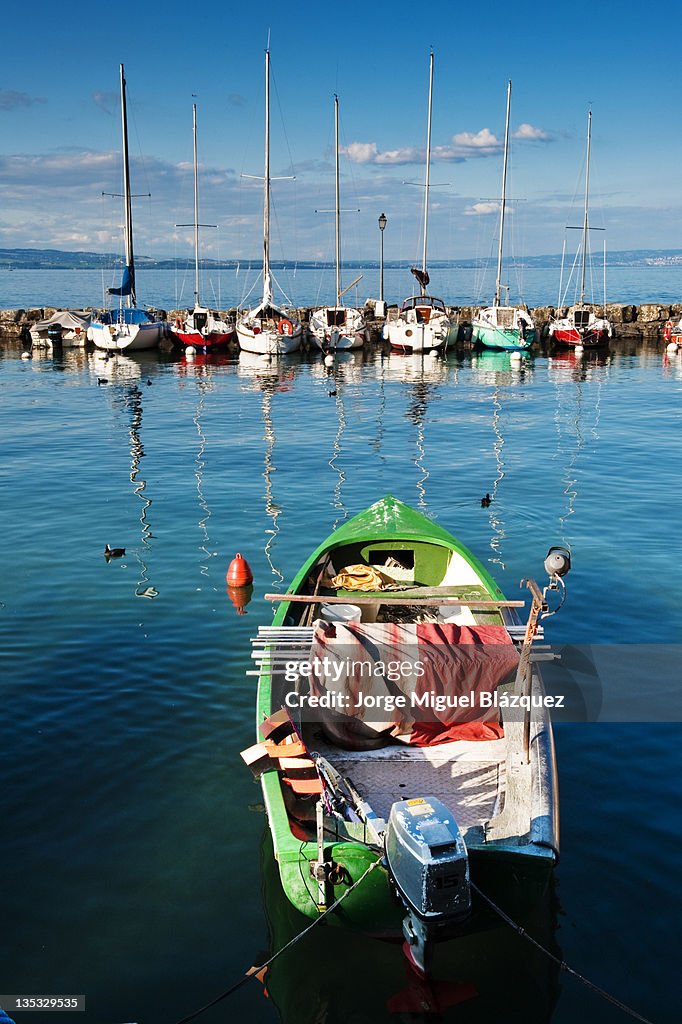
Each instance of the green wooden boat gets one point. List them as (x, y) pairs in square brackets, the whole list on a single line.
[(430, 817)]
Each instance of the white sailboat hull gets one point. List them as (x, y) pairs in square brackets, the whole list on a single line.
[(126, 337), (337, 328), (267, 338), (408, 335)]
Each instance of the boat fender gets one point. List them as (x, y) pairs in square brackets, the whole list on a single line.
[(178, 323), (668, 330), (285, 327)]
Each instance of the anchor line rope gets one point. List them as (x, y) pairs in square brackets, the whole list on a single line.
[(292, 942), (561, 963)]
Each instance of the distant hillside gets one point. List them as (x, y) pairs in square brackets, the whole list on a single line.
[(57, 259)]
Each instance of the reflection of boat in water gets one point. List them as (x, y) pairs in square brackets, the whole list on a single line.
[(493, 975), (578, 380), (491, 367), (269, 378), (423, 374), (569, 364), (499, 370), (123, 375)]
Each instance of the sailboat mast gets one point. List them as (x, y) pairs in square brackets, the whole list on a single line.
[(428, 170), (503, 199), (587, 192), (127, 198), (338, 210), (196, 208), (267, 291)]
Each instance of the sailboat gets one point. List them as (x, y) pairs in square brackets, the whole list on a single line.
[(268, 329), (423, 322), (201, 328), (338, 326), (127, 328), (503, 327), (581, 327)]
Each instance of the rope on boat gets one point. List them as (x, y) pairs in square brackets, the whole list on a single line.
[(254, 971), (520, 931), (561, 963)]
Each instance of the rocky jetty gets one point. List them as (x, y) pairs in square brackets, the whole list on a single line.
[(646, 321)]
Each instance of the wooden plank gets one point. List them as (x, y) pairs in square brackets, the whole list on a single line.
[(395, 597)]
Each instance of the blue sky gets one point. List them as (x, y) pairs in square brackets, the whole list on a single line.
[(60, 134)]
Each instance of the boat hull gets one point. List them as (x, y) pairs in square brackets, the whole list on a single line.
[(413, 337), (65, 328), (337, 328), (202, 329), (581, 328), (571, 337), (206, 342), (268, 341), (502, 339), (126, 337)]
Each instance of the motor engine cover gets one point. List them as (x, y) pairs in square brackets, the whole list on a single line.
[(427, 859)]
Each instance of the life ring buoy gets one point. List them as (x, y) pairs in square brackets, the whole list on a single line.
[(668, 330), (285, 327)]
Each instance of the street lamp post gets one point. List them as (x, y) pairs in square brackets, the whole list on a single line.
[(383, 220)]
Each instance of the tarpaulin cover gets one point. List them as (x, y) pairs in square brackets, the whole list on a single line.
[(436, 670)]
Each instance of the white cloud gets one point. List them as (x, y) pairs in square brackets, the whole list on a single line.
[(463, 146), (478, 143), (529, 133), (368, 153), (479, 209), (361, 152)]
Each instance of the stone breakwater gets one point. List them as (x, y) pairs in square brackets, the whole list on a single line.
[(646, 321)]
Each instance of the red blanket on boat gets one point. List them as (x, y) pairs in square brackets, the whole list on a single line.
[(417, 683)]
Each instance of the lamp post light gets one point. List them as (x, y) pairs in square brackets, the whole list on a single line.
[(383, 220)]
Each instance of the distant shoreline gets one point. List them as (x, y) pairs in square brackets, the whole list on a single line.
[(57, 259)]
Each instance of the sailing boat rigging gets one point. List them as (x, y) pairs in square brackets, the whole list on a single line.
[(268, 329), (128, 328), (581, 327), (423, 323), (338, 326), (201, 328), (510, 328)]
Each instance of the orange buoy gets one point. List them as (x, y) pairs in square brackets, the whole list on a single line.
[(240, 597), (239, 572)]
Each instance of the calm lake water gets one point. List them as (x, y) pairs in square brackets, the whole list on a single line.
[(134, 860), (168, 289)]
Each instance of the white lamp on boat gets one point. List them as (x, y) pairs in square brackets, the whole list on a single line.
[(558, 561)]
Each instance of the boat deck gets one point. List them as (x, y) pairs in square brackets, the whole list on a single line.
[(469, 777)]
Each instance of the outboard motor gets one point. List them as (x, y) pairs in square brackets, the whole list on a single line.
[(428, 862)]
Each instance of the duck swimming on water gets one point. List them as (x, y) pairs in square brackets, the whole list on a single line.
[(113, 552)]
